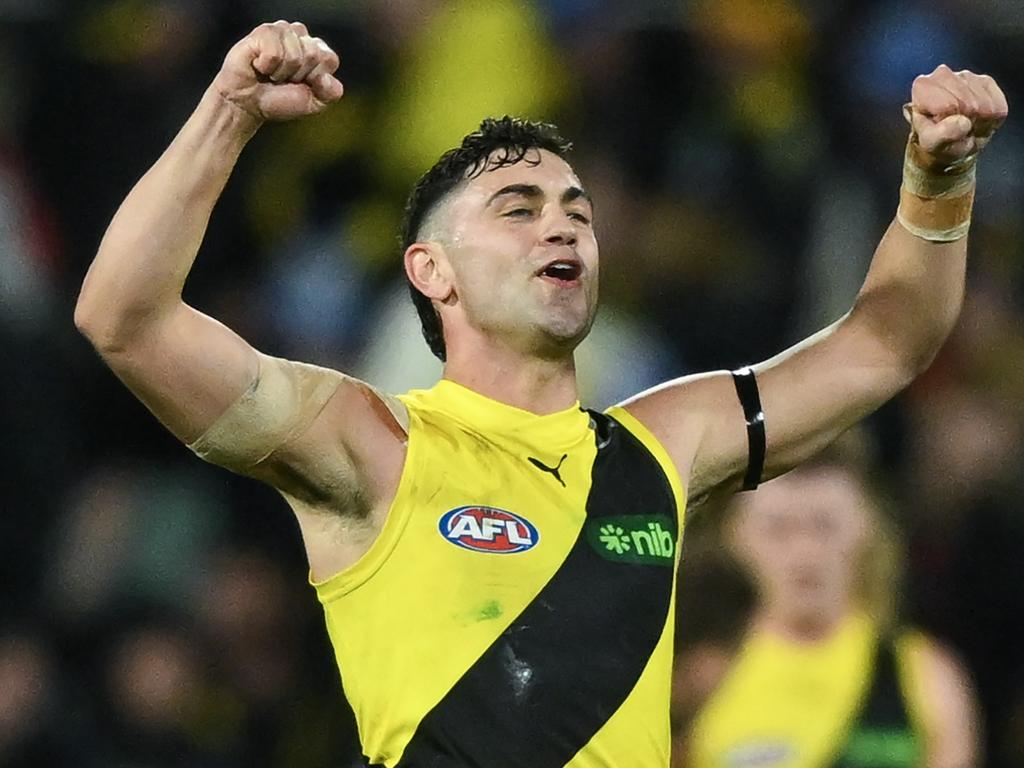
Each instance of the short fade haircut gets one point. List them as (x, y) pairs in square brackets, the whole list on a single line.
[(495, 144)]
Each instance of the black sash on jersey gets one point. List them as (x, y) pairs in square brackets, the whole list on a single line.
[(563, 667), (882, 735)]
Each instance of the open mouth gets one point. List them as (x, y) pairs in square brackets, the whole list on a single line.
[(564, 271)]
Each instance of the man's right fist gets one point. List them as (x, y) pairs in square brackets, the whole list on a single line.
[(279, 72), (953, 115)]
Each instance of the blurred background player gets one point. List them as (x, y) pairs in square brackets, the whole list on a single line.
[(813, 669)]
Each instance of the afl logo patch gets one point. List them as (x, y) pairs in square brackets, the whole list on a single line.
[(488, 529)]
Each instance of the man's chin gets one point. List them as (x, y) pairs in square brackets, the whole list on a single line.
[(564, 338), (812, 614)]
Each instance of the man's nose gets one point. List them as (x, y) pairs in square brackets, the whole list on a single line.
[(561, 233)]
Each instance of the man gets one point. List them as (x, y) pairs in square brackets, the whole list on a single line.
[(824, 675), (496, 564)]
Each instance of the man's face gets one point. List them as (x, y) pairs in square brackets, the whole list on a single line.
[(521, 245), (803, 536)]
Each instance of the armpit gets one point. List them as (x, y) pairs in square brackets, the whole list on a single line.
[(282, 401)]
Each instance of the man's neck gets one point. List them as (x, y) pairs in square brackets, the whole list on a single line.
[(803, 629), (533, 384)]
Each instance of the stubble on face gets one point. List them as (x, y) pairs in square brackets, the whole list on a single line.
[(495, 254)]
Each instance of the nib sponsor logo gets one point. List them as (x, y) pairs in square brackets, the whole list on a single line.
[(642, 539), (488, 529)]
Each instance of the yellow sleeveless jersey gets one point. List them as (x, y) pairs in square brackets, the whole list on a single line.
[(850, 701), (517, 608)]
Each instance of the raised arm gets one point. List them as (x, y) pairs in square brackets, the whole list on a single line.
[(907, 306), (186, 367), (197, 376)]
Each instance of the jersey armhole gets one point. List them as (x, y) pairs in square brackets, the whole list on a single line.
[(396, 518)]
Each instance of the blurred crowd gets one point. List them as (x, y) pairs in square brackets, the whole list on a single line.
[(744, 157)]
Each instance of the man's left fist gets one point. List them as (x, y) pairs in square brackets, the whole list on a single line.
[(953, 115)]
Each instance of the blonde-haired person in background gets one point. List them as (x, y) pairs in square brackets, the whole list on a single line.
[(823, 675)]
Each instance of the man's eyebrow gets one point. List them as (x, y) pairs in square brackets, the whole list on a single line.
[(576, 193), (532, 191), (524, 190)]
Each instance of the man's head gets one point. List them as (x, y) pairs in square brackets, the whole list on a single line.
[(499, 243), (817, 545)]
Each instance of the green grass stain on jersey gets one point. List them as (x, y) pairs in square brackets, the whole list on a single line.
[(490, 610)]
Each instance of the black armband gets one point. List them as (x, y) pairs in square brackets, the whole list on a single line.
[(750, 399)]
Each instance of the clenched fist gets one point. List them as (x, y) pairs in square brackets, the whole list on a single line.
[(279, 72), (953, 115)]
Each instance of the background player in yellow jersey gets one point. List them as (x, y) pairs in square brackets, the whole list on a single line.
[(428, 509), (824, 677)]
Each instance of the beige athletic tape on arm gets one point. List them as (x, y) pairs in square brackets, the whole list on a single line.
[(935, 201), (282, 401)]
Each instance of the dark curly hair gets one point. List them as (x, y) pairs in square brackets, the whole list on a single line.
[(497, 143)]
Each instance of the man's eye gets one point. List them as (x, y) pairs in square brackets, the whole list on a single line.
[(519, 212), (579, 217)]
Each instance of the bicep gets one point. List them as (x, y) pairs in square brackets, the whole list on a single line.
[(694, 417), (313, 433), (232, 405), (816, 390), (809, 395)]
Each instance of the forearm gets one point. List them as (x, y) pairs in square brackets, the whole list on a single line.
[(911, 298), (914, 288), (151, 243)]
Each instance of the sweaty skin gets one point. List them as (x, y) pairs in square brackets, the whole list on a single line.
[(502, 228)]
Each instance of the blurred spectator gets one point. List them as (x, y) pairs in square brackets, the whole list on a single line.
[(155, 689), (824, 673), (34, 726), (131, 536)]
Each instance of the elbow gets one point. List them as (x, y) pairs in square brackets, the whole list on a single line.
[(87, 319), (911, 357), (107, 326), (103, 337), (98, 326), (115, 328), (924, 343), (906, 339), (919, 360), (113, 314)]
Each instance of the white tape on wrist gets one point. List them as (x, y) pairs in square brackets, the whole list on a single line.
[(934, 235), (936, 205), (953, 181)]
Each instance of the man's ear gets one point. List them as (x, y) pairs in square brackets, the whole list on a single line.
[(428, 269)]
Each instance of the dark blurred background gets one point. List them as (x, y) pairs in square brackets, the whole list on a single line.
[(744, 156)]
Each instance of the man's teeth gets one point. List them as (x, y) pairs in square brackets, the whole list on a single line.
[(561, 271)]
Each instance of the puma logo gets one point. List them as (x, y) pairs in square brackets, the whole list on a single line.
[(553, 470)]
